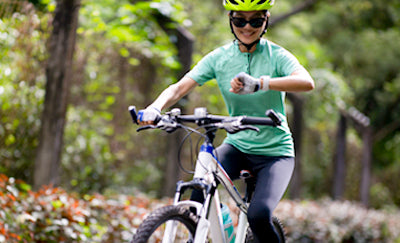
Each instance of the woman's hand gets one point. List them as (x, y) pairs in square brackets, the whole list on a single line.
[(246, 84), (236, 85), (148, 116)]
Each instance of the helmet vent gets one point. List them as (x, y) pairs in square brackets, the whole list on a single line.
[(248, 5)]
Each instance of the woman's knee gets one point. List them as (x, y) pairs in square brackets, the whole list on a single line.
[(259, 213)]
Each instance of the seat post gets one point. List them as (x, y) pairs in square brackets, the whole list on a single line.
[(250, 182)]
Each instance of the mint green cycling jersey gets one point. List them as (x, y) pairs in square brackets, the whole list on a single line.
[(223, 64)]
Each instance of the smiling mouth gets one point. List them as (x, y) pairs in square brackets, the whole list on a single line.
[(247, 34)]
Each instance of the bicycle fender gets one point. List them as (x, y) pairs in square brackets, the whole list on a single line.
[(188, 204)]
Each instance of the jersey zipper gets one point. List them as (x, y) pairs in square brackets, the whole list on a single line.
[(249, 58)]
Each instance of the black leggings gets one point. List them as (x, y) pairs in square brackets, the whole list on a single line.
[(272, 178)]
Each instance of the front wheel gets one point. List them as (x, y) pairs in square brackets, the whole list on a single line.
[(277, 226), (175, 223)]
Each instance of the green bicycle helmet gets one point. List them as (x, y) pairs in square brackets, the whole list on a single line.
[(248, 5)]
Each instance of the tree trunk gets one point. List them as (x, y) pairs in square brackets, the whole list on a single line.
[(58, 74), (366, 166), (339, 177), (363, 127), (297, 128)]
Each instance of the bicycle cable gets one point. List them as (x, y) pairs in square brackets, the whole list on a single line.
[(191, 131)]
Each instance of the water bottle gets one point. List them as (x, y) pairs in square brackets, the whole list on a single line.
[(228, 224)]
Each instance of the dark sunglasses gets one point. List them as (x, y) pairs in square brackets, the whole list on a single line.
[(241, 22)]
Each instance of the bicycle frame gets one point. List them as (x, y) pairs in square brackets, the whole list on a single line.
[(208, 172)]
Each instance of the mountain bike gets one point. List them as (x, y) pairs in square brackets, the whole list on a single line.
[(198, 222)]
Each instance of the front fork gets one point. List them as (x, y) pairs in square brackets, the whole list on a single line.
[(210, 218)]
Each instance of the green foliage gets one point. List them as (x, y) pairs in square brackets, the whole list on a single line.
[(362, 45), (87, 159), (123, 50), (330, 95), (123, 57), (208, 22), (22, 47), (132, 26), (18, 127), (115, 42)]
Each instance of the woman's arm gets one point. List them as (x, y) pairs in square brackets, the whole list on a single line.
[(174, 93), (299, 81)]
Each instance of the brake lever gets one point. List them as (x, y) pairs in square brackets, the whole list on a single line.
[(249, 127), (234, 129), (146, 127), (168, 129)]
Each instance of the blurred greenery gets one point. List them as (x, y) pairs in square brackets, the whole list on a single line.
[(123, 57)]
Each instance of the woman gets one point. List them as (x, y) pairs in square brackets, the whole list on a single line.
[(252, 74)]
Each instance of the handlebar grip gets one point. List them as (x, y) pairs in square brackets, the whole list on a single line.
[(257, 121), (132, 111), (274, 117)]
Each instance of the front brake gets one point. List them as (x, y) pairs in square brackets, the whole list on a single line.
[(237, 128), (146, 127), (249, 127)]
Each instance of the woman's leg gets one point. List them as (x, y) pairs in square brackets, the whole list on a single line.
[(232, 160), (273, 176)]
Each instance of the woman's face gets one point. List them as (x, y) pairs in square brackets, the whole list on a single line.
[(248, 34)]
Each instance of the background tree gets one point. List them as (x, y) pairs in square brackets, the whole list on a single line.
[(58, 74)]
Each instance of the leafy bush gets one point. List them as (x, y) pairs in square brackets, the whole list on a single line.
[(337, 221), (53, 215)]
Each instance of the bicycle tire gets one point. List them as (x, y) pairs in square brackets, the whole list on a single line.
[(277, 224), (279, 229), (149, 230)]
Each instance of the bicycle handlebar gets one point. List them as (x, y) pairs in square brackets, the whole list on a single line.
[(173, 120)]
